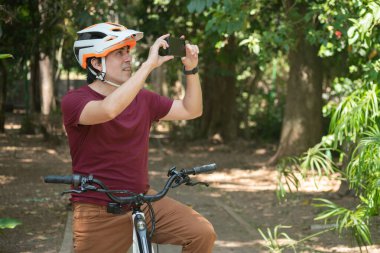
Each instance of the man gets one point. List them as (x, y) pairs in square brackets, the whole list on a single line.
[(108, 123)]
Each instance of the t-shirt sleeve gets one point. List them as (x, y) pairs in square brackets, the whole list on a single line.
[(159, 105), (72, 105)]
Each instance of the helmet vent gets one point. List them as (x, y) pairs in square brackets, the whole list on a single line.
[(114, 24), (110, 38), (91, 35)]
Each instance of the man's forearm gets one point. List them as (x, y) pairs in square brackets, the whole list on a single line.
[(193, 96)]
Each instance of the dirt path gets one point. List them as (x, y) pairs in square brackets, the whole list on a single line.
[(240, 200)]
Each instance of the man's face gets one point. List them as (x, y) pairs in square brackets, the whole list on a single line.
[(119, 65)]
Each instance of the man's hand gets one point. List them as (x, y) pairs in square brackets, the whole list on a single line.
[(154, 59), (190, 61)]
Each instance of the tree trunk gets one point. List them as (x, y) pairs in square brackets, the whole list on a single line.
[(68, 81), (158, 81), (32, 97), (34, 89), (3, 94), (47, 87), (302, 123), (251, 87), (219, 88)]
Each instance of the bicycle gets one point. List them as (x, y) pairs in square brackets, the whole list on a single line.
[(141, 239)]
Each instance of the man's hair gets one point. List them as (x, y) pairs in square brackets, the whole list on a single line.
[(90, 76)]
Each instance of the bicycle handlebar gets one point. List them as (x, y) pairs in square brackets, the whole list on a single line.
[(200, 169), (85, 183)]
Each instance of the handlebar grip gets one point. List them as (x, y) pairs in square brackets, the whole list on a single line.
[(72, 179), (59, 179), (200, 169)]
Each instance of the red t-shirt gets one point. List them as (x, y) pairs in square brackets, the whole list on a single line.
[(116, 151)]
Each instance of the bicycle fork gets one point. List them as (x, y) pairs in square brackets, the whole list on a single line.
[(141, 240)]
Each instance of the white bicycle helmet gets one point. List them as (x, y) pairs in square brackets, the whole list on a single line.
[(101, 39)]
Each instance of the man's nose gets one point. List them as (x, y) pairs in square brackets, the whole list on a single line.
[(127, 57)]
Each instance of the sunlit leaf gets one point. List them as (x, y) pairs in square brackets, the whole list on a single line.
[(4, 56), (8, 223)]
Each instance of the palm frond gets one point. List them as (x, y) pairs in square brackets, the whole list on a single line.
[(354, 220), (352, 116)]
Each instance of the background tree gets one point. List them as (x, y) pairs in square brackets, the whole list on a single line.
[(228, 26), (258, 26), (3, 89), (302, 123)]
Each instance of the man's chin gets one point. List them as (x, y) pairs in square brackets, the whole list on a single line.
[(127, 73), (124, 79)]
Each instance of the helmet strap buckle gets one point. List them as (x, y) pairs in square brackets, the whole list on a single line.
[(101, 76)]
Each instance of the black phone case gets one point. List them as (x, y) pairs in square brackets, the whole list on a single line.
[(176, 47)]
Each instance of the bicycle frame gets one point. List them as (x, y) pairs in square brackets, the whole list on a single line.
[(141, 241)]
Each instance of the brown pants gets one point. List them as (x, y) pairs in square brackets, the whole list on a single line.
[(95, 230)]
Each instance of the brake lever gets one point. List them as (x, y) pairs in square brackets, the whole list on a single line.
[(181, 180), (177, 183), (71, 191), (191, 183), (82, 189)]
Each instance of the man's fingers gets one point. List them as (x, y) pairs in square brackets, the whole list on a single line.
[(161, 42), (192, 49), (167, 58), (164, 36)]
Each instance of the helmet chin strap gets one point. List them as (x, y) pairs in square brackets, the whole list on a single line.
[(102, 75)]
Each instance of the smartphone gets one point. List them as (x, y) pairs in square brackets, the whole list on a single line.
[(176, 47)]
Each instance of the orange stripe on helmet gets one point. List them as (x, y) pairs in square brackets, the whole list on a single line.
[(124, 43)]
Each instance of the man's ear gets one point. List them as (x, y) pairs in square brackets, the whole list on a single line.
[(96, 64)]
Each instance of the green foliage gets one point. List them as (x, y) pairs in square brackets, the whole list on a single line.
[(272, 240), (5, 56), (355, 220), (259, 107), (200, 5), (315, 163), (279, 242), (260, 25), (355, 113), (363, 26), (260, 32), (8, 223), (287, 169)]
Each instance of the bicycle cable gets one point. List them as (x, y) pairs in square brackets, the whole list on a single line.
[(152, 219), (117, 191), (153, 222)]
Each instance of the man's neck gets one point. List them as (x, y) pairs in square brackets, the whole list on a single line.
[(102, 87)]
